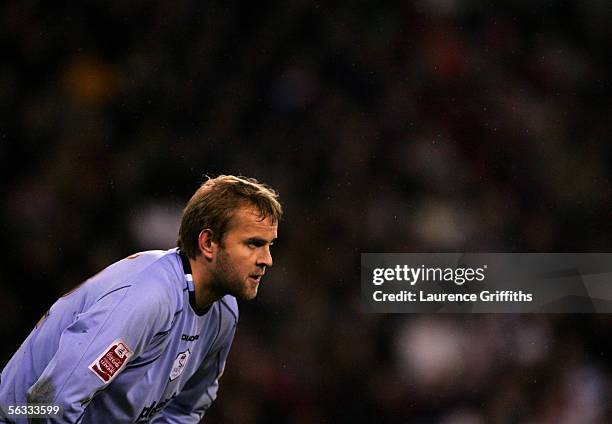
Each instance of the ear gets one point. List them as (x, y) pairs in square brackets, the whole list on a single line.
[(206, 244)]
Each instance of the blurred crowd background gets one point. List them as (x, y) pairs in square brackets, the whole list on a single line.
[(433, 125)]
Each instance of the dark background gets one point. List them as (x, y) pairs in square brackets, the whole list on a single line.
[(434, 125)]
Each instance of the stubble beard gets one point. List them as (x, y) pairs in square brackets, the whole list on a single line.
[(229, 280)]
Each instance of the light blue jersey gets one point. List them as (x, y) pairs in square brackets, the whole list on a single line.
[(126, 346)]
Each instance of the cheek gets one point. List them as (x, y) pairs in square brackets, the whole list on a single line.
[(238, 258), (242, 254), (236, 261)]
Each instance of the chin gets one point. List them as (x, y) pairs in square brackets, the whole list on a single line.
[(245, 294), (249, 295)]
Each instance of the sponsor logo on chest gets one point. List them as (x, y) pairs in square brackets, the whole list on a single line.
[(150, 411)]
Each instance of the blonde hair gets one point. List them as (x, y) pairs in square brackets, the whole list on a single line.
[(214, 203)]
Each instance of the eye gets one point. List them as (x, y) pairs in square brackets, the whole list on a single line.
[(255, 243)]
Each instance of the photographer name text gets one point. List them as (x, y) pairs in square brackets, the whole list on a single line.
[(455, 275), (483, 296)]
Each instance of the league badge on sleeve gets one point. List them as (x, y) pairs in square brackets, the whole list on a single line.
[(112, 360), (179, 364)]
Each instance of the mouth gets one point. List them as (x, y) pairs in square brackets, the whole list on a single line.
[(256, 278)]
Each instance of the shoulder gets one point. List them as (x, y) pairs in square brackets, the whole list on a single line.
[(155, 279), (229, 309), (226, 309), (148, 276), (148, 265)]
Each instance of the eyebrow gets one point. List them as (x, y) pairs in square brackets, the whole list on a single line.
[(260, 240)]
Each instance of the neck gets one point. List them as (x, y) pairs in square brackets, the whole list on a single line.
[(203, 285)]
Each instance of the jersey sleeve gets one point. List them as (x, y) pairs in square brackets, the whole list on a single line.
[(201, 390), (98, 345)]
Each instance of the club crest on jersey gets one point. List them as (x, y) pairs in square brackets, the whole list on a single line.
[(179, 364), (112, 360)]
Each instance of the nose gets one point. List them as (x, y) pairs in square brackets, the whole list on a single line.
[(265, 257)]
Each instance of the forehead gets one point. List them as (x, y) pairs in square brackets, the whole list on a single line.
[(247, 221)]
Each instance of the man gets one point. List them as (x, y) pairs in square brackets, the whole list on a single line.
[(146, 339)]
